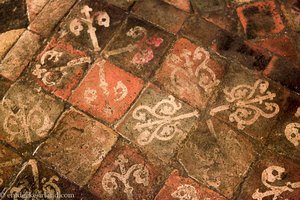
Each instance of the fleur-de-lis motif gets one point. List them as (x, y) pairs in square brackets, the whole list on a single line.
[(205, 76), (138, 171), (120, 90), (292, 132), (143, 45), (54, 76), (244, 102), (269, 177), (41, 187), (165, 125), (102, 19), (185, 192), (20, 121)]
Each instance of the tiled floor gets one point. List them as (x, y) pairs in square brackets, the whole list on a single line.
[(150, 99)]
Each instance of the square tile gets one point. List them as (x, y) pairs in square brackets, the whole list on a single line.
[(35, 180), (248, 102), (10, 164), (124, 174), (208, 5), (160, 14), (158, 123), (179, 187), (90, 25), (27, 114), (273, 177), (138, 47), (217, 155), (106, 91), (59, 68), (190, 73), (77, 147), (260, 19)]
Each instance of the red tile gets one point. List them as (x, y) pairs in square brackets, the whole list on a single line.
[(124, 174), (181, 4), (190, 73), (178, 187), (59, 68), (260, 19), (107, 91)]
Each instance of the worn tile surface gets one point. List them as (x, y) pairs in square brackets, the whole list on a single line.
[(107, 91)]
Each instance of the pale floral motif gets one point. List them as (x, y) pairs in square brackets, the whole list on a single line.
[(185, 192), (292, 132)]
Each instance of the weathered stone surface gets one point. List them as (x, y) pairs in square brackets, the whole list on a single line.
[(190, 73), (13, 15), (181, 4), (166, 16), (138, 47), (78, 146), (217, 155), (4, 86), (291, 11), (20, 55), (34, 7), (8, 39), (27, 115), (51, 14), (179, 187), (272, 177), (107, 91), (124, 4), (158, 123)]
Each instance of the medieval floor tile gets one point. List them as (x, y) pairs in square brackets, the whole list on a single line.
[(124, 174), (260, 19), (158, 123), (13, 15), (138, 47), (273, 177), (8, 39), (248, 102), (291, 11), (181, 4), (286, 71), (190, 73), (59, 68), (43, 24), (90, 25), (107, 91), (36, 181), (124, 4), (179, 187), (27, 115), (10, 164), (161, 14), (208, 5), (78, 146), (34, 7), (20, 55), (285, 137), (217, 155)]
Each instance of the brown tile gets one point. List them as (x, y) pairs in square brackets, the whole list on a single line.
[(27, 115), (181, 4), (158, 123), (8, 39), (124, 4), (217, 155), (78, 146), (20, 55), (161, 14), (138, 47), (34, 7)]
